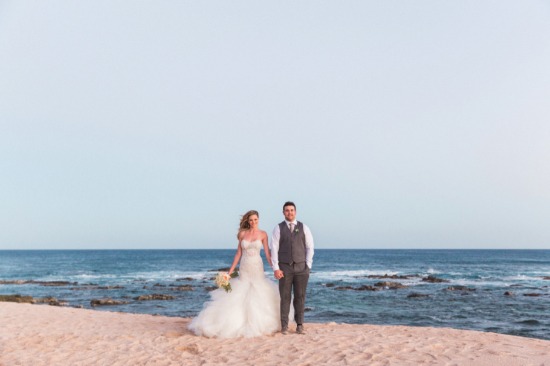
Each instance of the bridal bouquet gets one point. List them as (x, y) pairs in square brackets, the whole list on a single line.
[(223, 278)]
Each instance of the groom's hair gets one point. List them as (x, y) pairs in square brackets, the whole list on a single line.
[(288, 203)]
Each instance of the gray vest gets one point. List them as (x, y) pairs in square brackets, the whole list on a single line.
[(292, 246)]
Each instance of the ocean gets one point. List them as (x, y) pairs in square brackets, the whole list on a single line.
[(502, 291)]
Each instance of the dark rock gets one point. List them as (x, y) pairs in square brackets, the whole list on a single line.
[(159, 285), (181, 288), (360, 288), (508, 293), (31, 300), (13, 282), (106, 302), (154, 297), (459, 288), (432, 279), (532, 294), (50, 301), (341, 288), (393, 277), (33, 282), (417, 295), (210, 288), (546, 278), (330, 285), (55, 283), (366, 288), (185, 279), (389, 285), (224, 269), (306, 309), (16, 298), (95, 287)]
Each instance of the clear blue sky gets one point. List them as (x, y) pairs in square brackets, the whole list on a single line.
[(391, 124)]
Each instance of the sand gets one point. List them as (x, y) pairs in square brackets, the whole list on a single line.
[(49, 335)]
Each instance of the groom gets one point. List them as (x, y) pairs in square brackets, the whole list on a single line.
[(292, 257)]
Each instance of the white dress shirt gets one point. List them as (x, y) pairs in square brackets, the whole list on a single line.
[(274, 247)]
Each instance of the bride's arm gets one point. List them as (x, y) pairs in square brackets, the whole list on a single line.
[(266, 249), (237, 257)]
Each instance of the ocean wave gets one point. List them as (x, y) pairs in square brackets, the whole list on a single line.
[(94, 276), (126, 277), (169, 275), (521, 277), (353, 274), (478, 282), (76, 278)]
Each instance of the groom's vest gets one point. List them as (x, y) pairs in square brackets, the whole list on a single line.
[(292, 246)]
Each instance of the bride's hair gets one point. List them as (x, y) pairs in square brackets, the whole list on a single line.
[(244, 225)]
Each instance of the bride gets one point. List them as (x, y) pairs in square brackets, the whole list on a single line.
[(251, 309)]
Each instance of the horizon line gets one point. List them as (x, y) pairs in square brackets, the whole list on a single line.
[(106, 249)]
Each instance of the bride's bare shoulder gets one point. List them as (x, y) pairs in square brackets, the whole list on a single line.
[(241, 234)]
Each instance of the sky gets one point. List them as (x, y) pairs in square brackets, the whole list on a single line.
[(390, 124)]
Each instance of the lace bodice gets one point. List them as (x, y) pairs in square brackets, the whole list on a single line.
[(251, 262), (251, 248)]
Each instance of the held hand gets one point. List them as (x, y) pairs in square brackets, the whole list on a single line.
[(279, 274)]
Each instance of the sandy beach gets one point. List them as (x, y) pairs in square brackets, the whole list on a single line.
[(49, 335)]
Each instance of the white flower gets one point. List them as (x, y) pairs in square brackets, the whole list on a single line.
[(222, 281)]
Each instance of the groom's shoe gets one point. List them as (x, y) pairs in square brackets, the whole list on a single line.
[(284, 330), (300, 329)]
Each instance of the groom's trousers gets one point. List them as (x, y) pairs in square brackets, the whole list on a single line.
[(295, 278)]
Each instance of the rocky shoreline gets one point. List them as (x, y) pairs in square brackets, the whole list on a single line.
[(391, 285), (94, 302), (177, 286)]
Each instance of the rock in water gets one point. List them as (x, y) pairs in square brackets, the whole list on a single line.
[(104, 302), (433, 279), (154, 297)]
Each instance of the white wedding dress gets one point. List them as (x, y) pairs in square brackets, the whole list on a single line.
[(251, 309)]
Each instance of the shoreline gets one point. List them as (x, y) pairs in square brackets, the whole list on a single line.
[(48, 335)]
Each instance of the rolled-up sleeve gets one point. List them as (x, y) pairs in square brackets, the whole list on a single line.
[(309, 246)]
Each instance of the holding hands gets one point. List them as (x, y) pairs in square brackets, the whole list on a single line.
[(278, 274)]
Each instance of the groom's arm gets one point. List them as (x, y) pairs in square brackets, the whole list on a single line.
[(275, 236), (309, 246)]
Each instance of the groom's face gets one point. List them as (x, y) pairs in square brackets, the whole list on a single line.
[(290, 213)]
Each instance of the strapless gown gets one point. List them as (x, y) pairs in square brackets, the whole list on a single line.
[(251, 309)]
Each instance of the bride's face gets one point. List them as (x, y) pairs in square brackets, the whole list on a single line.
[(253, 221)]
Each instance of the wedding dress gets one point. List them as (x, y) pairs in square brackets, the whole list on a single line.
[(251, 309)]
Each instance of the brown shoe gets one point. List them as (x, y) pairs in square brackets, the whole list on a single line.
[(300, 329), (284, 330)]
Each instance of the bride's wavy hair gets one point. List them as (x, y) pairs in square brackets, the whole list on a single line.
[(244, 225)]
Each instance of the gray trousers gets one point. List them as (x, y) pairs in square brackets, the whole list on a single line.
[(296, 277)]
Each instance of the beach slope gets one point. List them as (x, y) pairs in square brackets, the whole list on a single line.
[(48, 335)]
